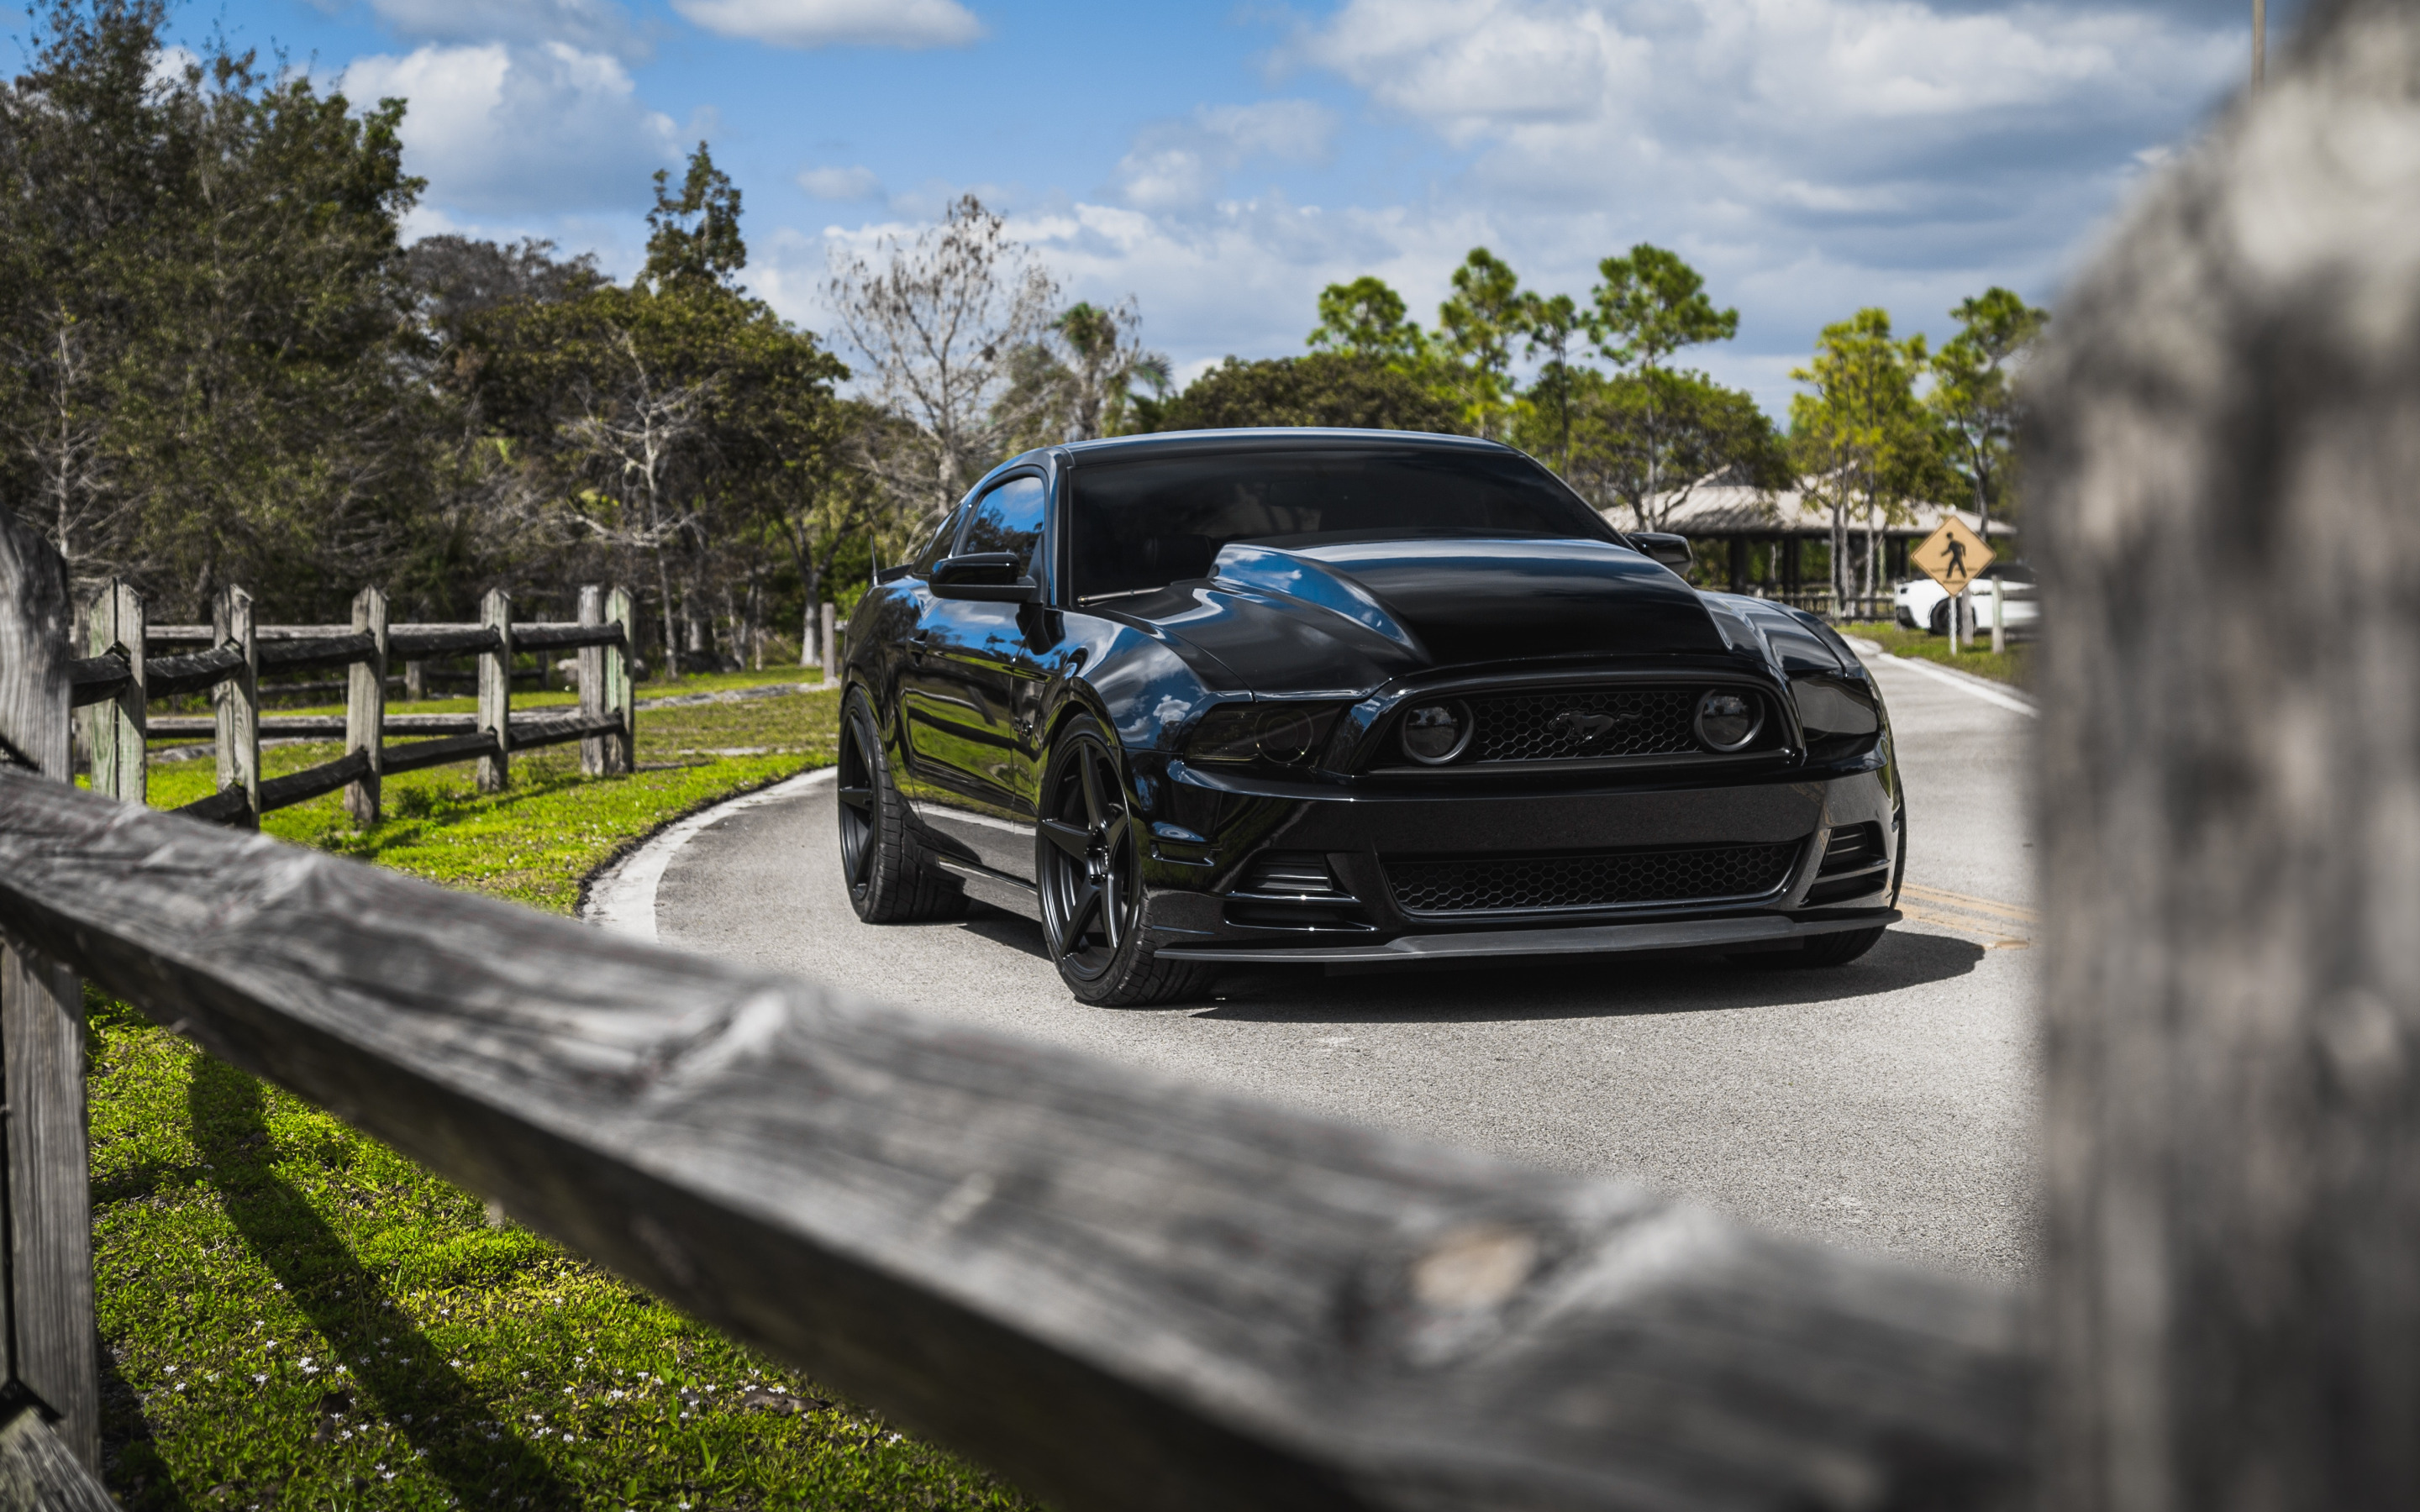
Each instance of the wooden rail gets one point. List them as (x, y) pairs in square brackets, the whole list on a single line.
[(119, 681)]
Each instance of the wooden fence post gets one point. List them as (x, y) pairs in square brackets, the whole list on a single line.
[(118, 726), (496, 691), (48, 1312), (592, 680), (235, 702), (415, 681), (2219, 494), (621, 748), (366, 708), (831, 645)]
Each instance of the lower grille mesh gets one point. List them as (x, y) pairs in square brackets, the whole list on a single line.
[(1491, 885)]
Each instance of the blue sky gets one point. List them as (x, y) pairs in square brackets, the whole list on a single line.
[(1220, 163)]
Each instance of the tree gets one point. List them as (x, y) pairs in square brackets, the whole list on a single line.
[(1323, 389), (1365, 318), (1549, 327), (1477, 325), (693, 239), (1634, 433), (209, 365), (1861, 442), (1076, 384), (941, 321), (1973, 396), (1650, 305)]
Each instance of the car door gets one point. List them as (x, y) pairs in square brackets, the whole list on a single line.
[(973, 693)]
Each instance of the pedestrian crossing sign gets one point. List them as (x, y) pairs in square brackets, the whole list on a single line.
[(1952, 555)]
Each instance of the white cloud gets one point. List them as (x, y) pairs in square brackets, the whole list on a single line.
[(1184, 163), (519, 130), (911, 24), (596, 25), (841, 185)]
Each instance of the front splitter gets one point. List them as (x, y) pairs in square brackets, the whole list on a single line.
[(1588, 940)]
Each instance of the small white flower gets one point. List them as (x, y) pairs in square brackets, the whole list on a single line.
[(180, 1386), (567, 1437), (390, 1475), (278, 1285), (271, 1345), (346, 1434), (456, 1363), (172, 1370), (257, 1379), (893, 1439), (310, 1369)]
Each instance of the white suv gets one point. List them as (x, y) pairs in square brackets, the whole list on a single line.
[(1923, 605)]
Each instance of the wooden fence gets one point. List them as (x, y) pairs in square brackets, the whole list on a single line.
[(124, 673), (1126, 1291)]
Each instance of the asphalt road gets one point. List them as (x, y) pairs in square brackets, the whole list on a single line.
[(1886, 1104)]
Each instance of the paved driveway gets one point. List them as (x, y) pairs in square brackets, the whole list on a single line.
[(1886, 1104)]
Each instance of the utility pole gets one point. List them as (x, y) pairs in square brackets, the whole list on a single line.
[(2259, 38)]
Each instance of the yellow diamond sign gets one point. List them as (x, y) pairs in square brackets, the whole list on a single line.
[(1953, 556)]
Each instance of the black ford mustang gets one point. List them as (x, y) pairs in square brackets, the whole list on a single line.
[(1348, 696)]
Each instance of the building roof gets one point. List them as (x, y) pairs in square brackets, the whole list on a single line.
[(1731, 509)]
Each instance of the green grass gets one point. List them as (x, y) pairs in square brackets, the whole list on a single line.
[(294, 1315), (2010, 666)]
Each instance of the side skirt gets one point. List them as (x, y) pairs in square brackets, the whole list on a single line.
[(986, 885)]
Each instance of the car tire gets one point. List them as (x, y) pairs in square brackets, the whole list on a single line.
[(1088, 868), (883, 863), (1941, 618)]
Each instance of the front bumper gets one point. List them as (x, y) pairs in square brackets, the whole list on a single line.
[(1207, 876)]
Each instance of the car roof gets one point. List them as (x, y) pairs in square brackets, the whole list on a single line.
[(1267, 439)]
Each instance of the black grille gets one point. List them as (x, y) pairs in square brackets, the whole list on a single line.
[(1583, 724), (1496, 885)]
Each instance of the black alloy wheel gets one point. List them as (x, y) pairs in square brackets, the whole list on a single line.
[(889, 878), (1087, 861)]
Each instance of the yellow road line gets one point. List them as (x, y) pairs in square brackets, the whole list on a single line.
[(1971, 905)]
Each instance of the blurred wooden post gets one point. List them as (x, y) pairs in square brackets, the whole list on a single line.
[(49, 1327), (415, 681), (621, 748), (366, 708), (592, 681), (117, 727), (235, 702), (831, 644), (2219, 488), (496, 691), (1999, 617)]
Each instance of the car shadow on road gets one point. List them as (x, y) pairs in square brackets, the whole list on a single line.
[(1607, 986)]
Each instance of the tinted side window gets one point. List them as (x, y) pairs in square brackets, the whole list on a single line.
[(938, 546), (1008, 518)]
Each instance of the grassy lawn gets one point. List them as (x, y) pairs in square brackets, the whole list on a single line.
[(294, 1315), (2010, 666)]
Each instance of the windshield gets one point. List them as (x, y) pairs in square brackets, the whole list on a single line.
[(1144, 524)]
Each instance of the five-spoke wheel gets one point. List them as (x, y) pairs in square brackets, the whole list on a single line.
[(1087, 861)]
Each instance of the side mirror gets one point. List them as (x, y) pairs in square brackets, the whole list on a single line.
[(1671, 550), (983, 577)]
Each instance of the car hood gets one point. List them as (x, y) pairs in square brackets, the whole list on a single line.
[(1351, 616)]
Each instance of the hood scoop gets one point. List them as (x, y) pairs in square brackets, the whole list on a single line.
[(1464, 601)]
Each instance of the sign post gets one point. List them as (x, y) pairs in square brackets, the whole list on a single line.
[(1954, 556)]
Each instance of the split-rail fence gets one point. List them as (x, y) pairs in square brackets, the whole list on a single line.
[(125, 672), (1126, 1292)]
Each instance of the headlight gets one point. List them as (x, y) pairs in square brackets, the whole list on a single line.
[(1837, 714), (1290, 735), (1727, 722), (1436, 734)]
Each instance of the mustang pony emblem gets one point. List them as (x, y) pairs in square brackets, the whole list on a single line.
[(1590, 730)]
